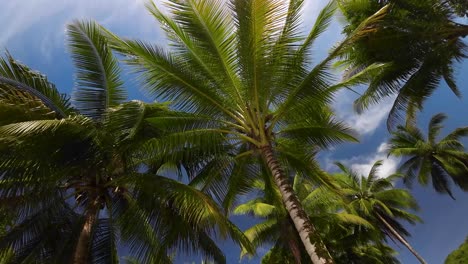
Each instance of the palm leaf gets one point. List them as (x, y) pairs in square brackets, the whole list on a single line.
[(15, 76), (98, 84)]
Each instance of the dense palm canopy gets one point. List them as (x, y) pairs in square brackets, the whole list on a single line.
[(79, 177), (247, 110), (376, 200), (428, 159), (349, 237), (420, 41), (249, 94)]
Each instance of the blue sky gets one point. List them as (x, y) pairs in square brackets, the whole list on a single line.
[(34, 32)]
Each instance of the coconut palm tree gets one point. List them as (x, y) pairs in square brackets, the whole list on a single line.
[(428, 159), (242, 74), (376, 200), (421, 42), (347, 236), (77, 179)]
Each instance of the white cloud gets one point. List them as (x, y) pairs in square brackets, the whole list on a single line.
[(367, 122), (46, 20), (363, 163)]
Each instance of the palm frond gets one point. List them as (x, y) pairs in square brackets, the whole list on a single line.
[(98, 84), (104, 244), (18, 78), (202, 31), (435, 125), (257, 208), (321, 24)]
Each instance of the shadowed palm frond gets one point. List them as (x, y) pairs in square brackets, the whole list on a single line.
[(17, 78), (98, 84)]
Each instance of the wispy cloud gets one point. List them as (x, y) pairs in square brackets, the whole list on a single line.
[(363, 163), (367, 122), (44, 20)]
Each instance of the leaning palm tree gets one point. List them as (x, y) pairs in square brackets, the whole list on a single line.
[(77, 179), (242, 77), (427, 159), (421, 41), (347, 236), (376, 200)]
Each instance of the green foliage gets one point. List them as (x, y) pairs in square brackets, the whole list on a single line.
[(430, 160), (426, 43), (458, 256), (240, 80), (278, 255), (243, 78), (351, 238), (99, 164), (379, 202), (27, 92)]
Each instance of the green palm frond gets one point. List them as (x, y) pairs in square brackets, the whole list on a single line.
[(423, 51), (257, 208), (104, 244), (440, 162), (30, 128), (206, 32), (321, 24), (378, 202), (17, 78), (456, 135), (98, 84), (190, 205), (353, 219), (435, 125), (321, 131), (372, 176), (38, 235)]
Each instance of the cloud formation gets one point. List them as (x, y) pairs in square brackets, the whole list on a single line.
[(45, 20), (363, 163), (367, 122), (33, 27)]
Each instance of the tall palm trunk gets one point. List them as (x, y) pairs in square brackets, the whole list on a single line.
[(310, 238), (400, 238), (81, 255)]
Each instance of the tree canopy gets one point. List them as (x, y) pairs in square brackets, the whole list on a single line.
[(459, 255), (240, 113)]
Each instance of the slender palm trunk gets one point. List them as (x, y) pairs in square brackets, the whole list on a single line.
[(81, 255), (401, 239), (310, 238)]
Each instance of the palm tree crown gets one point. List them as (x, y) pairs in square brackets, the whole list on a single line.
[(376, 200), (420, 41), (427, 159), (242, 76), (349, 237), (78, 180)]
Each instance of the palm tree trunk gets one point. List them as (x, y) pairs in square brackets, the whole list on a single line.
[(81, 255), (400, 238), (310, 238)]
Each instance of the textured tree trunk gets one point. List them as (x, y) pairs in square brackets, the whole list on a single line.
[(310, 238), (401, 239), (81, 255)]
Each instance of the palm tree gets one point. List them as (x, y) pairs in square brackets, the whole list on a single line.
[(349, 237), (420, 41), (376, 200), (431, 160), (242, 74), (80, 180)]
